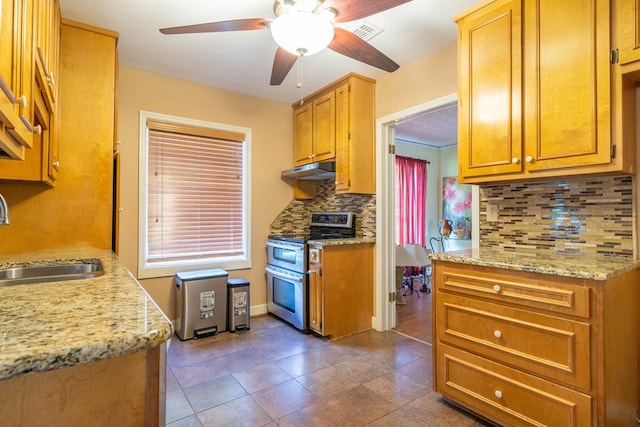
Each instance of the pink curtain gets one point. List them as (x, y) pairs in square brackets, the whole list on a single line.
[(411, 196)]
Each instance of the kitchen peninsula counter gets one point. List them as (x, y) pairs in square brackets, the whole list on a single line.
[(52, 325), (541, 338), (77, 352), (580, 266)]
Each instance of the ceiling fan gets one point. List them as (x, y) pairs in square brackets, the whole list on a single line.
[(304, 27)]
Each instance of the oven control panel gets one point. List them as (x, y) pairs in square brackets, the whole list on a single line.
[(332, 219)]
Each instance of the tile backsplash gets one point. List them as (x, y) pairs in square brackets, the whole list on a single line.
[(294, 219), (592, 215)]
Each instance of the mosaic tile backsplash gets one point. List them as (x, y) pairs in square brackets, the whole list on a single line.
[(295, 218), (580, 215)]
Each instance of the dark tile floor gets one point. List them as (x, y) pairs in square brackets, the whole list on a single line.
[(273, 375)]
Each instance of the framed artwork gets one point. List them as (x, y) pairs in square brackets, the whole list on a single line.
[(456, 209)]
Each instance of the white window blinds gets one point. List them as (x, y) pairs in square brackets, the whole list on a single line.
[(195, 193)]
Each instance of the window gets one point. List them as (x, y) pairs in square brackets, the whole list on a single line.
[(194, 186)]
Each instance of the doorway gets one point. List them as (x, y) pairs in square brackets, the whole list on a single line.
[(385, 247), (424, 137)]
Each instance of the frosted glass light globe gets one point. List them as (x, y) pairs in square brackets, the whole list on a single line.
[(302, 32)]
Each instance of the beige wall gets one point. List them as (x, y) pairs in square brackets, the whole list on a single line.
[(56, 213), (271, 152), (429, 78), (76, 213)]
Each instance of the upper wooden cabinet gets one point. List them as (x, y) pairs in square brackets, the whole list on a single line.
[(355, 137), (16, 83), (337, 123), (314, 130), (46, 49), (535, 91), (627, 21), (38, 115)]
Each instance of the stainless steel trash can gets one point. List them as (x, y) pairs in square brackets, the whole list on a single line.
[(239, 303), (201, 303)]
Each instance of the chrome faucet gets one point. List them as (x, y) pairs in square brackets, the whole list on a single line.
[(4, 211)]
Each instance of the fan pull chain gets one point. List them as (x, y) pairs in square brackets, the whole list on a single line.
[(300, 74)]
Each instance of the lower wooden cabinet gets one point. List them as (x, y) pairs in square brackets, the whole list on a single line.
[(128, 390), (340, 288), (529, 349), (515, 397)]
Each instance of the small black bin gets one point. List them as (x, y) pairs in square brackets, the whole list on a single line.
[(239, 303)]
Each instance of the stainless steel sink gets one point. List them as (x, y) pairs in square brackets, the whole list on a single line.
[(61, 270)]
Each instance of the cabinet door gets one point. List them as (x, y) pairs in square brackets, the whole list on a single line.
[(315, 290), (508, 396), (324, 127), (46, 43), (16, 27), (302, 134), (490, 90), (567, 102), (628, 30), (343, 142)]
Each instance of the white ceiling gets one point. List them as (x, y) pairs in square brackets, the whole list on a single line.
[(241, 61), (437, 129)]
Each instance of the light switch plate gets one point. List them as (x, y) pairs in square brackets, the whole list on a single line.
[(492, 212)]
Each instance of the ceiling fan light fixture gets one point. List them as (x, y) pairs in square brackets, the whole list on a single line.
[(298, 32)]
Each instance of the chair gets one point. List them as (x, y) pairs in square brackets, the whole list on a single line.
[(420, 269), (403, 259)]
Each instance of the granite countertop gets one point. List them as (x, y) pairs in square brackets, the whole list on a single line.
[(47, 326), (582, 266), (340, 242)]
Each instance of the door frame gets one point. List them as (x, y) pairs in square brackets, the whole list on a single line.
[(385, 310)]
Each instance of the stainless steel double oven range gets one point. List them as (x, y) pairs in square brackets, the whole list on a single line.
[(287, 265)]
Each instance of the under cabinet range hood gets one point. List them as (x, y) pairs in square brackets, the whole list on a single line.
[(312, 172)]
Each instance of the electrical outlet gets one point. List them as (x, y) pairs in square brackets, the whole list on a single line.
[(492, 212)]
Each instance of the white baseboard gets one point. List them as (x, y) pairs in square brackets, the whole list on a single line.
[(255, 310)]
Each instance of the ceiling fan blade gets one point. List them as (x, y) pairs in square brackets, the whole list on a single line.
[(282, 64), (350, 10), (348, 44), (214, 27)]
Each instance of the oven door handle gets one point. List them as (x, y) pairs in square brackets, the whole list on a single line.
[(286, 273), (284, 245)]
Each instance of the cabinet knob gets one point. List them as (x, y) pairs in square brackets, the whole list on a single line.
[(22, 101), (50, 79), (515, 160), (56, 164), (497, 334), (37, 129), (496, 289), (498, 394), (528, 159)]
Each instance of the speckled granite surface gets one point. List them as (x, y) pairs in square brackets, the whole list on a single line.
[(582, 266), (340, 242), (46, 326)]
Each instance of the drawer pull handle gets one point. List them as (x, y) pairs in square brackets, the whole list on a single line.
[(497, 334), (498, 394), (496, 289)]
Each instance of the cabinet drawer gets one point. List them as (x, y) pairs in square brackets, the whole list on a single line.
[(507, 395), (552, 293), (556, 348)]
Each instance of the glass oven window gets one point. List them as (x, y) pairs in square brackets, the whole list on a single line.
[(285, 255), (284, 294)]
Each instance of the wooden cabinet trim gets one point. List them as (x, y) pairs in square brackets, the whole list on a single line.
[(489, 388), (547, 294), (556, 348)]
